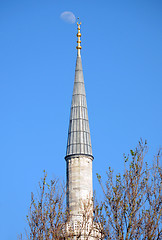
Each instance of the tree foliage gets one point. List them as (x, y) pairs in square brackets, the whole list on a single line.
[(47, 212), (131, 209), (132, 206)]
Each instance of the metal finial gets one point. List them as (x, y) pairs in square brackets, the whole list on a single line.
[(79, 36)]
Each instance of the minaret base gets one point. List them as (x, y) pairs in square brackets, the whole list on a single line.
[(82, 231)]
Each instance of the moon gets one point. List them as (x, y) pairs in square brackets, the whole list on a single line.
[(68, 17)]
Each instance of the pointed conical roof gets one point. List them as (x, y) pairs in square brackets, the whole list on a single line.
[(79, 140)]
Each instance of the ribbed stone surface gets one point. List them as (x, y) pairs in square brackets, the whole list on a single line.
[(79, 141)]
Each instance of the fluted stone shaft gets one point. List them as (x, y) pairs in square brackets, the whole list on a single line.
[(79, 184)]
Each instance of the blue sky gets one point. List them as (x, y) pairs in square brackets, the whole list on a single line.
[(122, 64)]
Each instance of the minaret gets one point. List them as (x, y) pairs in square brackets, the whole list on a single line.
[(79, 151)]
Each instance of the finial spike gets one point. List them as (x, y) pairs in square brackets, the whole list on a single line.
[(78, 36)]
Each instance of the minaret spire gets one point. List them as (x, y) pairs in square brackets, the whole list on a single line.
[(79, 140), (79, 36), (79, 156)]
